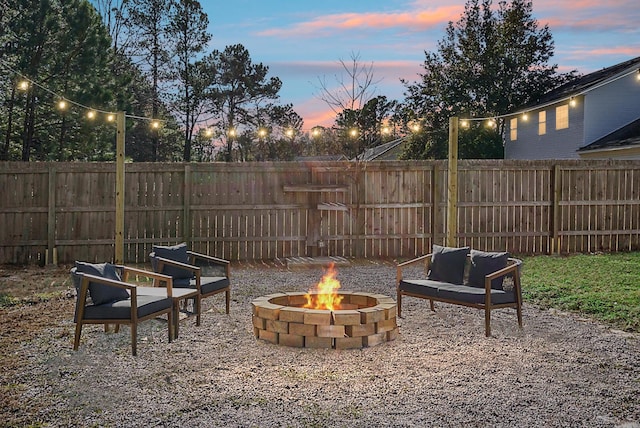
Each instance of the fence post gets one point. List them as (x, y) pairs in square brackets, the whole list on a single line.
[(555, 210), (435, 204), (119, 239), (186, 209), (51, 257), (452, 196)]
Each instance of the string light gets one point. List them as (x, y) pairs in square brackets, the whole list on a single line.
[(62, 105), (289, 132), (572, 102), (464, 123), (111, 117), (525, 116), (155, 124), (23, 85)]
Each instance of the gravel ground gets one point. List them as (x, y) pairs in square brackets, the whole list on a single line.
[(560, 370)]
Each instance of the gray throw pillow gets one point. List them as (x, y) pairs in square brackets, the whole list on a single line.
[(177, 253), (483, 263), (102, 293), (447, 264)]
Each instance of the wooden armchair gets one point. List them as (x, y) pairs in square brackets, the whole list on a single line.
[(207, 274), (115, 301)]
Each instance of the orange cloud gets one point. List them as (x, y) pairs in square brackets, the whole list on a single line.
[(415, 20)]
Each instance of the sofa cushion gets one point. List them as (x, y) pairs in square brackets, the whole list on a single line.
[(103, 293), (482, 264), (447, 264), (453, 293), (177, 253)]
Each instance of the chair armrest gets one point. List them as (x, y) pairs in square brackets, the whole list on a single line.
[(157, 277), (208, 258), (87, 278), (426, 258), (162, 261), (216, 260)]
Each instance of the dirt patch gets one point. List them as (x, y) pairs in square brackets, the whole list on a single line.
[(559, 370)]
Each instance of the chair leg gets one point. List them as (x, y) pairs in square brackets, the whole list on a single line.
[(487, 321), (433, 308), (198, 309), (76, 340), (172, 324), (399, 304), (519, 312), (227, 295), (134, 339)]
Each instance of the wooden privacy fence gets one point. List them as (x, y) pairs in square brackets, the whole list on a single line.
[(66, 211)]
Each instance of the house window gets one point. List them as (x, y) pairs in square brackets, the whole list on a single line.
[(513, 128), (542, 123), (562, 116)]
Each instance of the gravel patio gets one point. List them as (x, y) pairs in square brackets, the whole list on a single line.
[(560, 370)]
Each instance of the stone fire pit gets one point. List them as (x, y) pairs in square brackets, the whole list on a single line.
[(364, 319)]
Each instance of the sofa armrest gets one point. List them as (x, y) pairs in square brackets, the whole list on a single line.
[(424, 258), (512, 268)]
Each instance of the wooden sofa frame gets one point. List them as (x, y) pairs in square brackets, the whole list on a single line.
[(512, 269)]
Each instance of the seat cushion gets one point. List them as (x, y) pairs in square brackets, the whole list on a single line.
[(121, 310), (208, 284), (454, 292), (177, 253), (211, 284), (448, 264), (103, 293), (482, 264)]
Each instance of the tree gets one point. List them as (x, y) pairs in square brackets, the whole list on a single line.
[(355, 88), (61, 46), (148, 25), (188, 30), (237, 93), (489, 63)]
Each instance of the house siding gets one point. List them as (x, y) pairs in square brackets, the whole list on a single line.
[(611, 107), (599, 112), (555, 144)]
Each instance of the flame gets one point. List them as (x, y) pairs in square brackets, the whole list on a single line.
[(324, 295)]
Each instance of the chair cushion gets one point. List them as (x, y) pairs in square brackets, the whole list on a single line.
[(447, 264), (482, 264), (121, 310), (208, 284), (103, 293), (177, 253)]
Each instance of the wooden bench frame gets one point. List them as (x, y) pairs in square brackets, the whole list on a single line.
[(513, 266)]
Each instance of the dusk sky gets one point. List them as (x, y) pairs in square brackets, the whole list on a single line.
[(301, 40)]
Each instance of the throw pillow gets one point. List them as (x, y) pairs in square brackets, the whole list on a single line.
[(177, 253), (102, 293), (447, 264), (482, 264)]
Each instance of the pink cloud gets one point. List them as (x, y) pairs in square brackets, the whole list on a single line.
[(416, 20)]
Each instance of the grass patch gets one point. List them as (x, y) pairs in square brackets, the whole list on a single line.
[(603, 286), (6, 300)]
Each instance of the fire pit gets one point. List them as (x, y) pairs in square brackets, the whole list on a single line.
[(324, 318)]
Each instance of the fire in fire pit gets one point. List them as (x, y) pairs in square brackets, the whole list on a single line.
[(325, 318)]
